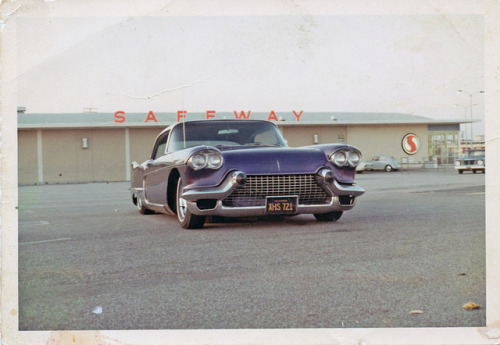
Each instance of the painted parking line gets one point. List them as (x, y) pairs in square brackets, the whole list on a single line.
[(34, 223), (46, 241)]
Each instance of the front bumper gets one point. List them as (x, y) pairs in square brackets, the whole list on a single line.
[(469, 167), (343, 198)]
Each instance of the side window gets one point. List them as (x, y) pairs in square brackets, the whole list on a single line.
[(176, 141), (160, 146)]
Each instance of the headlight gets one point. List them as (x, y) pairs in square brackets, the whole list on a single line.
[(339, 158), (214, 160), (198, 161), (345, 157), (457, 163), (205, 159), (480, 162), (353, 158)]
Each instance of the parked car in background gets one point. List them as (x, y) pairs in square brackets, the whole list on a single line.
[(361, 167), (382, 162), (241, 168), (473, 161)]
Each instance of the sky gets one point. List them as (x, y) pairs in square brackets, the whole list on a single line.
[(352, 63)]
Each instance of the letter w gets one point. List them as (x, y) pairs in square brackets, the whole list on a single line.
[(242, 115)]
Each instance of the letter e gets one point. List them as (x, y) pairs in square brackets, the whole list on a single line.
[(181, 114)]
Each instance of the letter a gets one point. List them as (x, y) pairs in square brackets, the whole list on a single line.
[(272, 116), (151, 117)]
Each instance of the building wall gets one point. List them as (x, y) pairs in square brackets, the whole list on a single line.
[(304, 135), (386, 139), (60, 156), (108, 159), (27, 156), (64, 160), (108, 154), (369, 139), (142, 140)]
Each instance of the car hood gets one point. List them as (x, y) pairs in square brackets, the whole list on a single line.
[(275, 160)]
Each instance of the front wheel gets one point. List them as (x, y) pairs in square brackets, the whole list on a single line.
[(186, 218), (328, 217), (388, 168)]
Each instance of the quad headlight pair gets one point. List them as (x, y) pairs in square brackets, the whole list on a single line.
[(344, 158), (210, 159)]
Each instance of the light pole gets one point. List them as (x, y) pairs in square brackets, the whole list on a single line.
[(465, 117), (470, 105), (459, 148)]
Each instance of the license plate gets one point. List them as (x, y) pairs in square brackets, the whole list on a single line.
[(281, 205)]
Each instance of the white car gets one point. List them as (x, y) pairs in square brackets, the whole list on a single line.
[(382, 162), (361, 167)]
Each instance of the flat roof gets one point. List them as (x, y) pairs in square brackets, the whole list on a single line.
[(164, 119)]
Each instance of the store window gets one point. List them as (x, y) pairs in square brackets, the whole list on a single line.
[(444, 146)]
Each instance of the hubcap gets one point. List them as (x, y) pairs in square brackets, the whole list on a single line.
[(181, 205), (182, 209)]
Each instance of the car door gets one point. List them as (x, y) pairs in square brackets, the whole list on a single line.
[(377, 164), (383, 162), (157, 171)]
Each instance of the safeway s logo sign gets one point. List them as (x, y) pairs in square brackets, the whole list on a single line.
[(410, 144)]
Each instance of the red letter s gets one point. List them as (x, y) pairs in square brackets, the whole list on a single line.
[(119, 116)]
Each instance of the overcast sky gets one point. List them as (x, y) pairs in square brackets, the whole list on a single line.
[(410, 64)]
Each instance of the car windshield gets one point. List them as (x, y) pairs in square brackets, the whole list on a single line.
[(225, 133), (476, 153)]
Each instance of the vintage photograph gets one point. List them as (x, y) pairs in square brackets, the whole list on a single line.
[(278, 171)]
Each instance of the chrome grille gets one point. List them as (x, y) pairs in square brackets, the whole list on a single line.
[(258, 187)]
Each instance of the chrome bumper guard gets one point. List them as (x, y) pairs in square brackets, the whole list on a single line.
[(469, 167), (237, 178)]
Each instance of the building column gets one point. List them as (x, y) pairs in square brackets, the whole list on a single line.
[(127, 154), (39, 155)]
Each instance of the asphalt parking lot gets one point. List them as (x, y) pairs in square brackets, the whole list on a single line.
[(410, 254)]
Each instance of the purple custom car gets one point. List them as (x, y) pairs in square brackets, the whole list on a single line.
[(239, 168)]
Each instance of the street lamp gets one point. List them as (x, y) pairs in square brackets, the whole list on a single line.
[(465, 114), (470, 105)]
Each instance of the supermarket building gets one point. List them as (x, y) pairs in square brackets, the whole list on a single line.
[(91, 147)]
